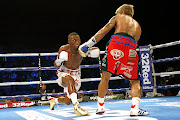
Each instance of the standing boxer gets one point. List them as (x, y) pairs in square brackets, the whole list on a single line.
[(120, 56), (68, 61)]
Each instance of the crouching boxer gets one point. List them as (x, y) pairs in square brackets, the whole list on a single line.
[(69, 73)]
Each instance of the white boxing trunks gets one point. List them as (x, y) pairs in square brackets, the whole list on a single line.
[(75, 74)]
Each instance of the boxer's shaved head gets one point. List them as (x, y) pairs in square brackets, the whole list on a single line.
[(72, 33)]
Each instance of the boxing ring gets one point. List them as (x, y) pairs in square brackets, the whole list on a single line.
[(152, 104)]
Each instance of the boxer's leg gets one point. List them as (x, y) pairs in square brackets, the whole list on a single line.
[(69, 81), (64, 100), (135, 88), (102, 90), (136, 92), (104, 84)]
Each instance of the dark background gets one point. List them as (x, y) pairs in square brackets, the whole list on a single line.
[(43, 25)]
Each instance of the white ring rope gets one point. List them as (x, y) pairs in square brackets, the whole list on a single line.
[(166, 73), (101, 52), (164, 45), (82, 80), (82, 92), (27, 54), (43, 68), (51, 81), (82, 66)]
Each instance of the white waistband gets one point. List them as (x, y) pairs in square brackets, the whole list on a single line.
[(70, 71)]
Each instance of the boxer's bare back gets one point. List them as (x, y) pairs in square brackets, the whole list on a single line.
[(122, 23)]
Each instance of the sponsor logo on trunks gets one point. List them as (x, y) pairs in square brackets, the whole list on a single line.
[(127, 70), (117, 54), (132, 53), (127, 74), (116, 65), (130, 63), (124, 40)]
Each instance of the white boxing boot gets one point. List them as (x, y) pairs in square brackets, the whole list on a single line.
[(135, 110), (100, 108)]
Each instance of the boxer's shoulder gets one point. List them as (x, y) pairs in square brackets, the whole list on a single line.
[(64, 47)]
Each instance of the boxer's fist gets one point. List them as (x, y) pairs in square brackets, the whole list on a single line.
[(83, 49), (63, 56), (93, 52)]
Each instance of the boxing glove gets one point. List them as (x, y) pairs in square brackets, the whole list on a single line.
[(63, 56), (93, 52), (83, 49)]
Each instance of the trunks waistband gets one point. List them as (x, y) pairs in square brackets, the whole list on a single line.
[(124, 38), (71, 72)]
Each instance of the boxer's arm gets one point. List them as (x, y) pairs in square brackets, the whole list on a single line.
[(97, 37), (103, 31), (61, 57)]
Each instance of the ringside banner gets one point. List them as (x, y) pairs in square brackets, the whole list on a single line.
[(146, 69), (17, 104)]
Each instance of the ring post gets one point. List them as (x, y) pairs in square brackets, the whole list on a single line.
[(40, 79), (146, 69)]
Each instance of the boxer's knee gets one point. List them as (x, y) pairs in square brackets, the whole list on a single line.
[(106, 76), (135, 83), (132, 82), (68, 80)]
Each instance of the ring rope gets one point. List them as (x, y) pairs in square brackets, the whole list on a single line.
[(101, 52), (82, 80), (83, 92), (166, 59), (95, 79), (164, 45), (43, 68), (166, 73), (51, 81), (27, 54), (82, 66)]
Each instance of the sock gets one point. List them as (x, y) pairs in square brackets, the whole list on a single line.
[(73, 97), (135, 102), (101, 101), (56, 100)]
